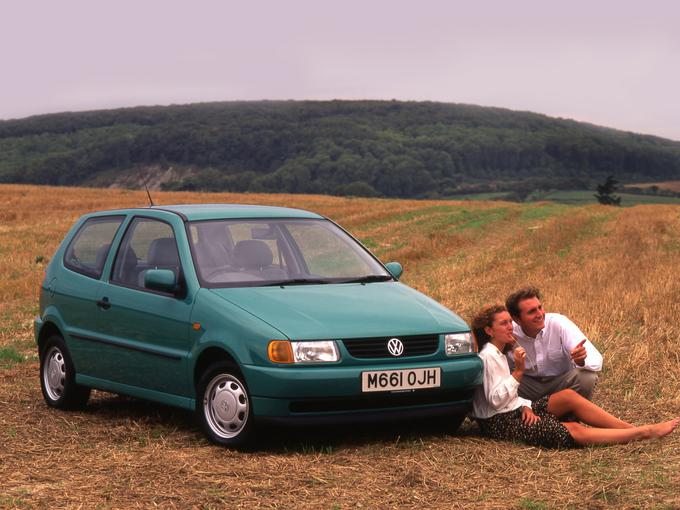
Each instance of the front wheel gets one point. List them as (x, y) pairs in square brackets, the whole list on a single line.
[(448, 424), (58, 377), (455, 422), (223, 406)]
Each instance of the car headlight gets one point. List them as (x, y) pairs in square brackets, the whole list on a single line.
[(317, 351), (458, 343), (305, 352)]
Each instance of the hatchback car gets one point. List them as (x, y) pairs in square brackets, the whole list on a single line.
[(245, 314)]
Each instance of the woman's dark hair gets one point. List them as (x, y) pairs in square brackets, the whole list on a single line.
[(483, 319)]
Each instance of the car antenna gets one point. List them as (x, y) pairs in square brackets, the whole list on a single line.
[(151, 204)]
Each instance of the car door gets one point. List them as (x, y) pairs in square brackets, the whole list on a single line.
[(144, 334), (75, 289)]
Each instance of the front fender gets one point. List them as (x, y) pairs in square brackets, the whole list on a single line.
[(219, 323)]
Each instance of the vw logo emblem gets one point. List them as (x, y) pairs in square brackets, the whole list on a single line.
[(395, 347)]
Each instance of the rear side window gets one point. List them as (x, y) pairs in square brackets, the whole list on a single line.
[(87, 251)]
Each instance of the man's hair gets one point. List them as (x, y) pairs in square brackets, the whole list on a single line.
[(512, 303), (483, 319)]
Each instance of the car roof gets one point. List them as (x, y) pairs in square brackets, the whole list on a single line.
[(197, 212)]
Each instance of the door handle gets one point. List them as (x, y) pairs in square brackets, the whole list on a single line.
[(104, 303)]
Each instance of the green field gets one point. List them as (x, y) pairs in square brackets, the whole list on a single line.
[(572, 197)]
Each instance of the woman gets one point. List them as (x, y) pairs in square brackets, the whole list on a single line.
[(502, 414)]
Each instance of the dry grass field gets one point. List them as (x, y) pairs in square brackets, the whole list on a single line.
[(614, 271), (669, 185)]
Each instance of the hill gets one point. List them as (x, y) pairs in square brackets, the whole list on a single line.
[(368, 148)]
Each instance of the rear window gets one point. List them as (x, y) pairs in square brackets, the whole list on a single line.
[(89, 248)]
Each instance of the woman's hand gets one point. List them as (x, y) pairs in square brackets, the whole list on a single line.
[(528, 416), (520, 357)]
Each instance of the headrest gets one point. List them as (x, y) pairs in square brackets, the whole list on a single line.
[(252, 254), (129, 261), (163, 252), (100, 256)]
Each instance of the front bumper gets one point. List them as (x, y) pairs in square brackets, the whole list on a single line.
[(316, 394)]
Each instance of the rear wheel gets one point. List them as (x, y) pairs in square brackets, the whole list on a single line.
[(57, 377), (223, 407)]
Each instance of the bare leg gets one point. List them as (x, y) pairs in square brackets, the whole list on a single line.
[(569, 402), (591, 435)]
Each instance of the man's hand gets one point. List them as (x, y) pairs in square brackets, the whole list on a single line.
[(578, 353), (528, 416)]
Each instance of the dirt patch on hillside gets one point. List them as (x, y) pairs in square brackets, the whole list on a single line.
[(134, 178)]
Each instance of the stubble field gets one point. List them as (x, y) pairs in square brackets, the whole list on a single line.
[(614, 271)]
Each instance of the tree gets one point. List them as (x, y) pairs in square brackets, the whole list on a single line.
[(605, 192)]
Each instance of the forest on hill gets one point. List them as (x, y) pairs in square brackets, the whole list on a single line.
[(363, 148)]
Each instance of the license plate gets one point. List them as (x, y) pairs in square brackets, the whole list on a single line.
[(407, 379)]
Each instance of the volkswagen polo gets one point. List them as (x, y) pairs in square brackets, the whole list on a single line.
[(244, 315)]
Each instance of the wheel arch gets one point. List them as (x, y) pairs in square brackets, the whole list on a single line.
[(209, 356), (48, 329)]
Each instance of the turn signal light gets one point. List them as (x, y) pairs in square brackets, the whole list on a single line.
[(280, 351)]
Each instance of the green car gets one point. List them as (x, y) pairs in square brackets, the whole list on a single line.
[(245, 314)]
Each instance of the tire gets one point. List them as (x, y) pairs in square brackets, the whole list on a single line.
[(455, 422), (448, 424), (58, 377), (224, 408)]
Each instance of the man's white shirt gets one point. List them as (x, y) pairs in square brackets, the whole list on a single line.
[(548, 354)]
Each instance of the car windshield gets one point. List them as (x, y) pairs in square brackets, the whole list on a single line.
[(259, 252)]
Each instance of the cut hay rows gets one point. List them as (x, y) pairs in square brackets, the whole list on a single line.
[(614, 271)]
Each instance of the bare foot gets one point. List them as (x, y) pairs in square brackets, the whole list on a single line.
[(663, 429)]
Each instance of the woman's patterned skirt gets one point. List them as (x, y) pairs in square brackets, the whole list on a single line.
[(548, 432)]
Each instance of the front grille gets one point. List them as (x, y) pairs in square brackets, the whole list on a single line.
[(420, 345), (382, 401)]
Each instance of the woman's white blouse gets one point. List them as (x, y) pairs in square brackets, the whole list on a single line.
[(498, 394)]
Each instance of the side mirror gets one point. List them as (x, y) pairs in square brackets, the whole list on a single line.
[(162, 280), (395, 269)]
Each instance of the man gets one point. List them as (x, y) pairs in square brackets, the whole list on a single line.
[(558, 354)]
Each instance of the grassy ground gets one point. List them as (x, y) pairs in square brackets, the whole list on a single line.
[(612, 270), (582, 197), (576, 197), (670, 185)]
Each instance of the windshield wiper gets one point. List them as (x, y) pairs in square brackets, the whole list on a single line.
[(296, 281), (369, 278)]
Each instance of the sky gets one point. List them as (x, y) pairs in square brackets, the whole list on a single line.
[(611, 63)]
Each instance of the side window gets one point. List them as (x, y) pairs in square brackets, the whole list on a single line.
[(147, 244), (87, 252)]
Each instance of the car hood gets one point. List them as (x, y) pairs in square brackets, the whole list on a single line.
[(345, 310)]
